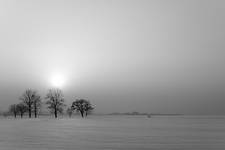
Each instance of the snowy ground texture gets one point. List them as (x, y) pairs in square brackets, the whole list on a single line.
[(114, 132)]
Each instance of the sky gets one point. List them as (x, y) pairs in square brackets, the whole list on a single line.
[(154, 56)]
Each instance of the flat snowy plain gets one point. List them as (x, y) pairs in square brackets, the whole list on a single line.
[(114, 132)]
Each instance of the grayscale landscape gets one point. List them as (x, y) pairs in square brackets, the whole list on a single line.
[(112, 74)]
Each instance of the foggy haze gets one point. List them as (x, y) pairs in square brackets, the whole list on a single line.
[(147, 56)]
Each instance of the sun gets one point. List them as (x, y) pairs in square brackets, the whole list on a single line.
[(57, 80)]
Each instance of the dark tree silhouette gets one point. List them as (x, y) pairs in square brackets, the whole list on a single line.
[(13, 110), (21, 108), (78, 105), (28, 98), (55, 101), (88, 108), (69, 111), (82, 106), (37, 105)]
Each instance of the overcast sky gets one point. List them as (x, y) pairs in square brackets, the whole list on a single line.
[(159, 56)]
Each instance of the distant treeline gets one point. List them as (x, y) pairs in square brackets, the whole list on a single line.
[(148, 114), (30, 103), (128, 113)]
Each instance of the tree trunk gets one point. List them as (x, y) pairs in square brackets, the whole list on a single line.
[(35, 110), (82, 114), (29, 111), (15, 115), (29, 107), (21, 115), (55, 112), (86, 113), (35, 113)]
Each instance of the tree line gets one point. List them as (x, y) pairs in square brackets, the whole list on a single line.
[(31, 102)]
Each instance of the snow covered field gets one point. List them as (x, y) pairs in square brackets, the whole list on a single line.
[(114, 132)]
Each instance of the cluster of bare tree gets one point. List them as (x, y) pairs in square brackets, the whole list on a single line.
[(83, 106), (31, 103)]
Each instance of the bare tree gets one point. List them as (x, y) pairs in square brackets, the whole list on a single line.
[(21, 108), (13, 109), (82, 106), (88, 108), (28, 98), (55, 101), (37, 105)]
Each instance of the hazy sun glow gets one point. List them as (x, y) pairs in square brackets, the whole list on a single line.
[(57, 80)]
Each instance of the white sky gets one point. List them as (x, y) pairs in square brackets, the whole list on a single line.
[(163, 56)]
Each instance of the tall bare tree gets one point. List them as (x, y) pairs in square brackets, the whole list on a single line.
[(55, 101), (28, 99), (82, 106), (37, 105), (13, 109), (21, 108)]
